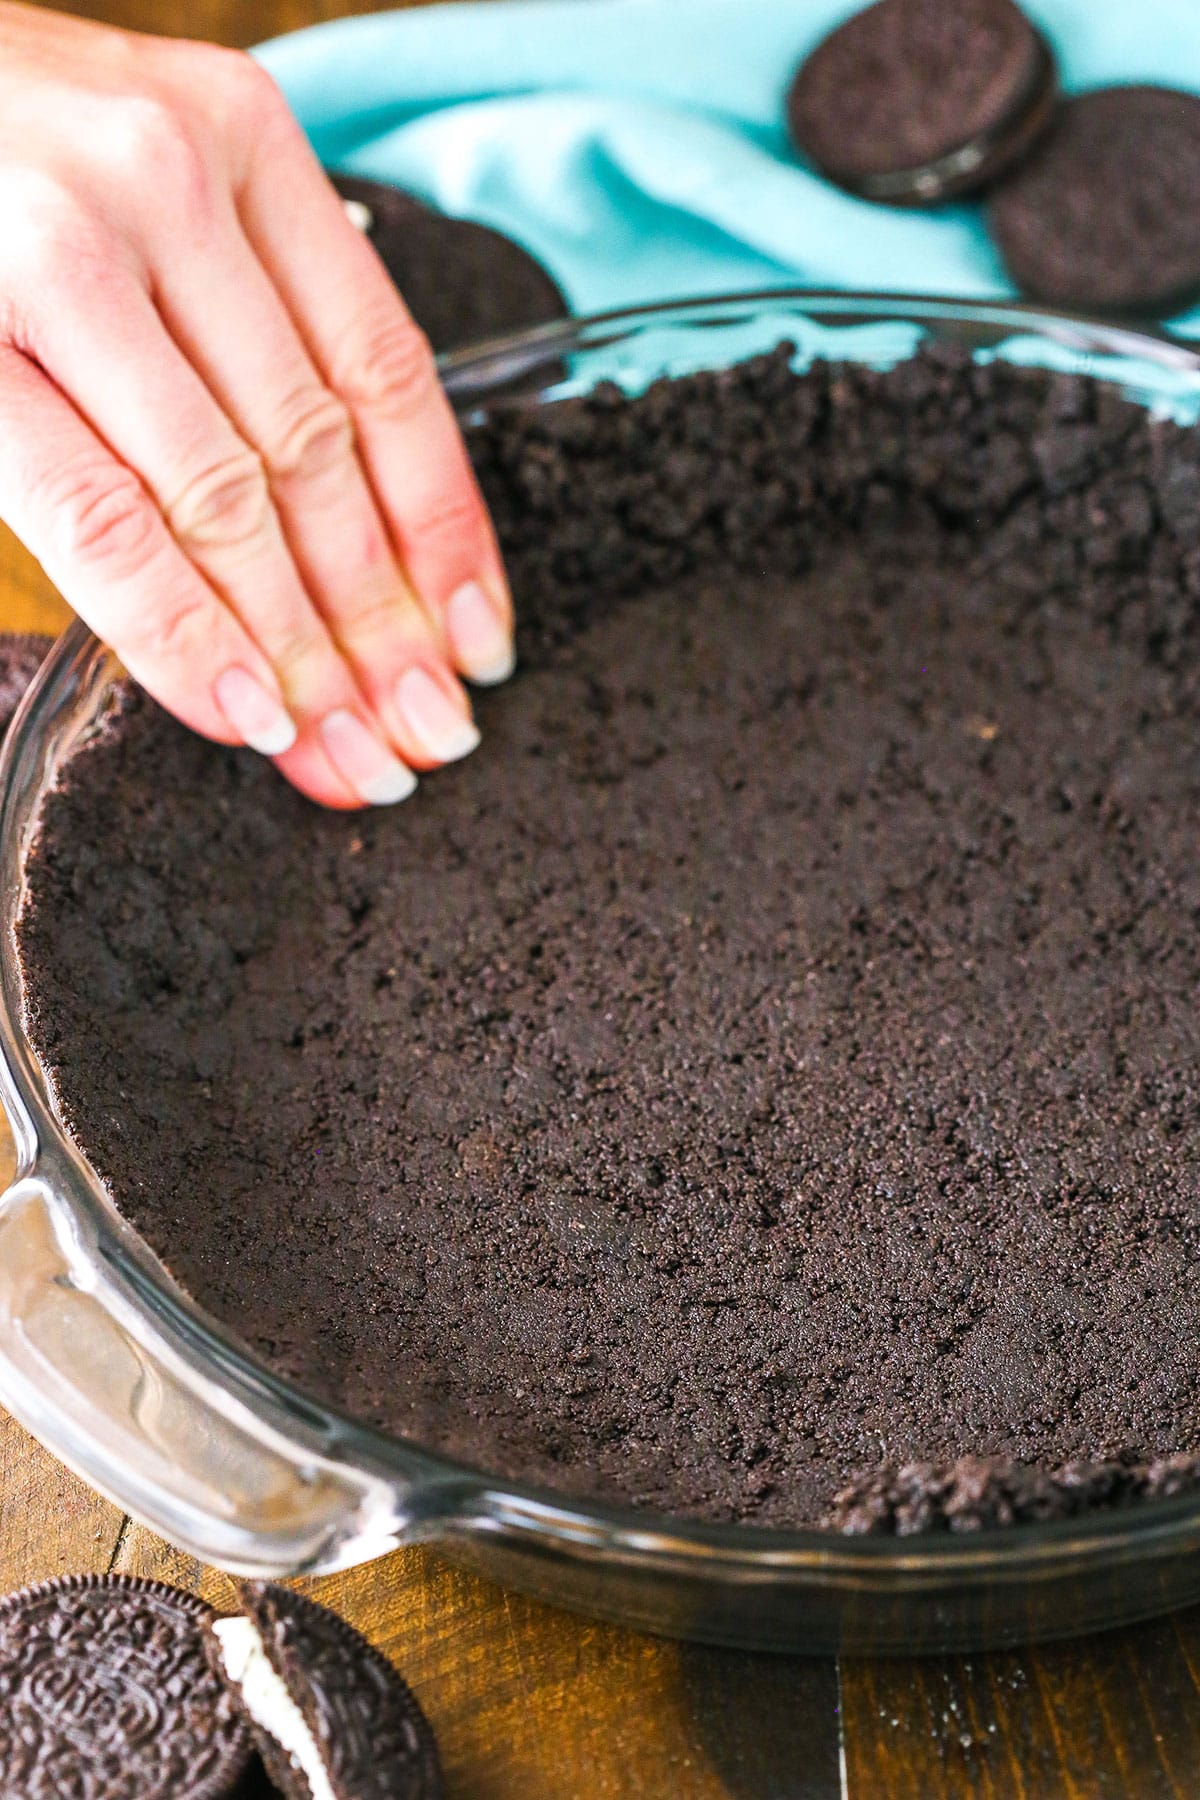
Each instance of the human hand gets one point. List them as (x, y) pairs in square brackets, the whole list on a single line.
[(220, 432)]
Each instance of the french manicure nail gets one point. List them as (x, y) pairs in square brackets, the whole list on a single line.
[(438, 725), (479, 636), (260, 720), (360, 758)]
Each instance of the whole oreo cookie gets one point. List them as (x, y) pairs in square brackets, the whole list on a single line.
[(331, 1717), (1104, 213), (106, 1694), (913, 101), (461, 281), (21, 656)]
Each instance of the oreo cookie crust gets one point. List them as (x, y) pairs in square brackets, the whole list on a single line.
[(106, 1694), (978, 1494), (461, 281), (1102, 214), (772, 1062), (21, 656), (914, 101), (331, 1717)]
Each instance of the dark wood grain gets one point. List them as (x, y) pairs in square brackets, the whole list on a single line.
[(1112, 1716), (236, 22), (530, 1704), (769, 1724)]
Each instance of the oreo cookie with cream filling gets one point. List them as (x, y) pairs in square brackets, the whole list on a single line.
[(106, 1694), (1103, 213), (911, 102), (460, 280), (331, 1717)]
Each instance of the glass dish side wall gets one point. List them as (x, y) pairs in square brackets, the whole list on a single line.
[(105, 1360)]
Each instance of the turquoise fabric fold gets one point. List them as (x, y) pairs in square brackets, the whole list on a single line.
[(637, 147)]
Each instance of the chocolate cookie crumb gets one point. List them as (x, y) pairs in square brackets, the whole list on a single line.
[(21, 656), (980, 1494), (776, 1053)]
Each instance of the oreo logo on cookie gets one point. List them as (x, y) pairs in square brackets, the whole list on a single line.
[(106, 1694)]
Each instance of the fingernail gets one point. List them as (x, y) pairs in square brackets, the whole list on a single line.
[(260, 720), (432, 717), (373, 772), (480, 636)]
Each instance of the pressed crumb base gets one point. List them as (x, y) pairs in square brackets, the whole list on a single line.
[(761, 1083)]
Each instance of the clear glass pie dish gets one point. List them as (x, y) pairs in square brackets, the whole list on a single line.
[(120, 1375)]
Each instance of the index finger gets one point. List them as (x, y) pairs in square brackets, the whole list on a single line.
[(369, 350)]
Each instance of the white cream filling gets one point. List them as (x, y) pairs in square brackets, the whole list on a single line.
[(268, 1701), (359, 214)]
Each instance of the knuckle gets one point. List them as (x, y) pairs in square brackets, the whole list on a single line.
[(100, 515), (253, 94), (49, 234), (32, 196), (385, 614), (314, 435), (53, 269), (241, 101), (172, 630), (150, 138), (392, 371), (447, 517), (227, 504), (305, 659)]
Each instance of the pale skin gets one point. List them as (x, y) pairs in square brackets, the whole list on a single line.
[(220, 431)]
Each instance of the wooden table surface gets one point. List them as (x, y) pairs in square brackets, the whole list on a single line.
[(533, 1704)]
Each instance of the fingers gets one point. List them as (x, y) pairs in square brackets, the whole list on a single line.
[(230, 449), (253, 361), (369, 352), (102, 540), (204, 494)]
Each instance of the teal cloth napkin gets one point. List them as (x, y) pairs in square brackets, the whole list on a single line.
[(637, 147)]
